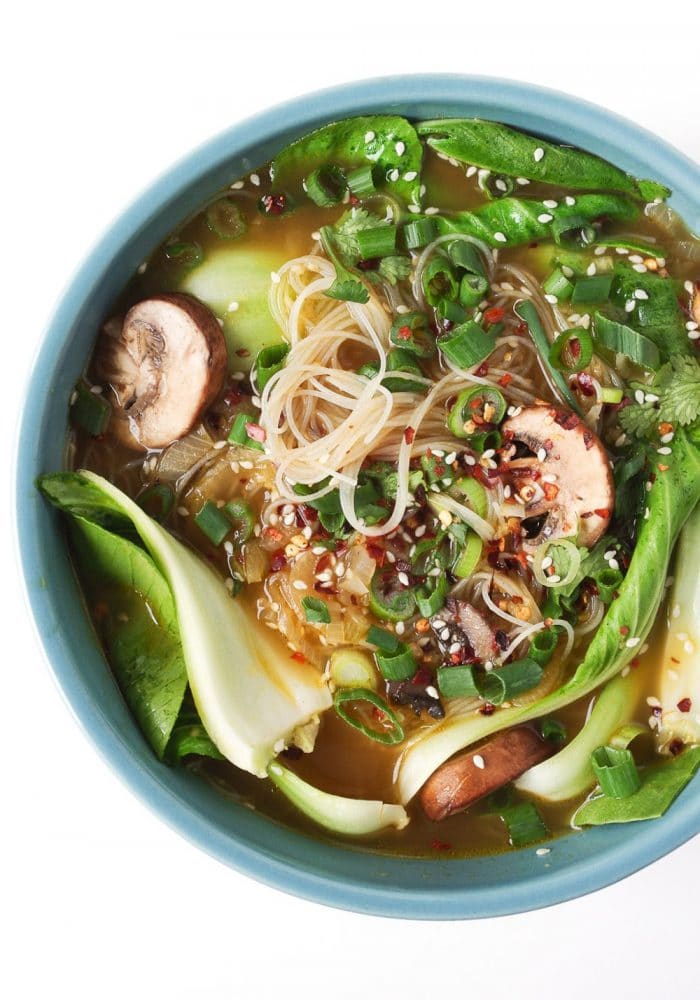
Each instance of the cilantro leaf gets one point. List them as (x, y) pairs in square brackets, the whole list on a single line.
[(394, 269), (346, 229), (677, 386)]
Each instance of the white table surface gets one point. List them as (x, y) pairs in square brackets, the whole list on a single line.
[(98, 898)]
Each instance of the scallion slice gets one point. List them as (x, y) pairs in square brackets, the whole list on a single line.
[(382, 639), (542, 646), (572, 351), (552, 730), (379, 241), (573, 231), (527, 312), (469, 557), (410, 332), (269, 361), (213, 522), (239, 434), (225, 220), (157, 501), (387, 601), (473, 493), (439, 280), (511, 679), (616, 771), (558, 284), (467, 345), (472, 289), (183, 253), (397, 666), (431, 601), (524, 824), (595, 288), (90, 410), (242, 519), (363, 181), (458, 681), (485, 402), (419, 233), (326, 185), (611, 394), (316, 611), (608, 583), (347, 696), (465, 254), (623, 339)]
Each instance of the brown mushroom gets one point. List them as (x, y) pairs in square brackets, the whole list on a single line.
[(695, 305), (460, 622), (569, 479), (165, 364), (470, 776)]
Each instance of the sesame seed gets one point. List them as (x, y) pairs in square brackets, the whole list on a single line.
[(232, 307), (635, 258), (623, 251), (550, 203), (500, 238), (431, 691), (255, 179), (653, 702), (237, 185), (613, 564), (542, 455), (569, 200), (555, 579), (470, 171), (506, 491), (599, 251), (547, 562), (479, 761), (640, 294), (183, 511), (274, 277), (340, 569), (667, 437), (629, 305), (246, 465), (414, 208), (220, 444), (228, 548), (400, 148), (390, 557), (141, 269), (639, 268), (501, 185), (545, 217), (664, 451), (299, 585), (681, 636), (650, 397), (552, 299), (591, 270), (445, 634), (688, 646), (410, 175), (238, 376), (432, 210), (541, 851), (538, 154), (438, 623), (400, 628), (639, 396), (96, 390), (694, 335), (403, 579), (610, 554), (393, 175), (567, 271), (632, 642), (691, 325), (369, 136), (689, 287)]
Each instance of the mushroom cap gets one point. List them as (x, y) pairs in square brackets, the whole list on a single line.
[(165, 365), (573, 484)]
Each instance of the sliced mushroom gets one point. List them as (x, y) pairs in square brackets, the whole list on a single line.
[(695, 306), (165, 364), (460, 622), (469, 777), (569, 480)]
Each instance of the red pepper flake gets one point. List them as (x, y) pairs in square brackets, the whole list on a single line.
[(675, 747), (482, 370), (299, 657), (585, 384), (408, 435), (521, 329), (243, 352), (273, 204), (551, 490), (404, 333), (663, 468), (634, 663), (487, 708), (588, 439), (494, 315), (278, 561), (566, 420), (602, 512), (274, 534), (505, 379), (422, 676), (624, 630), (233, 396), (354, 200), (684, 705), (674, 660), (378, 714), (255, 432), (440, 845)]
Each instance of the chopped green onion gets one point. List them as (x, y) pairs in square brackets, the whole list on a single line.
[(157, 501), (185, 254), (380, 241), (473, 493), (552, 730), (439, 280), (242, 519), (527, 312), (316, 610), (452, 312), (90, 410), (524, 824), (474, 401), (573, 231), (353, 695), (608, 582), (392, 605), (469, 556), (410, 332), (352, 668), (566, 562), (269, 361), (610, 394), (624, 340), (400, 360), (239, 434), (326, 185), (362, 182), (457, 682), (379, 637), (558, 284), (616, 772), (419, 233), (212, 522), (224, 218), (467, 345), (595, 288), (511, 679), (563, 349), (472, 289), (542, 646), (431, 601), (396, 666), (464, 254)]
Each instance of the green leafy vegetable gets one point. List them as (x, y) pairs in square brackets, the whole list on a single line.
[(660, 785), (316, 610), (335, 812), (657, 314), (189, 737), (394, 268), (513, 153), (345, 287), (89, 410), (386, 142), (677, 386)]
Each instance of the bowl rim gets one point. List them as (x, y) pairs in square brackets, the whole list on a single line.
[(567, 114)]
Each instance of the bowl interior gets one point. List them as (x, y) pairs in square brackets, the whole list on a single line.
[(342, 877)]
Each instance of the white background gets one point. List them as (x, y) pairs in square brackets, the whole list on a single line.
[(99, 899)]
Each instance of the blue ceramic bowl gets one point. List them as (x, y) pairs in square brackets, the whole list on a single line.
[(341, 877)]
